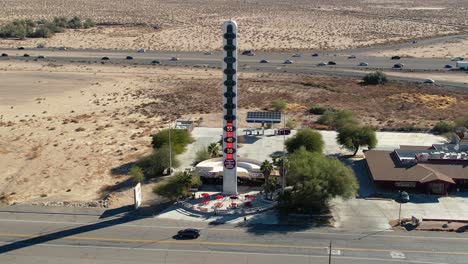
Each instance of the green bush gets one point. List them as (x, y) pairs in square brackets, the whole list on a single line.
[(180, 138), (137, 174), (320, 110), (337, 119), (279, 105), (462, 121), (88, 23), (26, 28), (443, 127), (42, 32), (374, 78), (157, 162), (74, 23), (308, 138), (201, 155)]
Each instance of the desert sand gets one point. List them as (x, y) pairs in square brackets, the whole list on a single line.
[(263, 24), (65, 130)]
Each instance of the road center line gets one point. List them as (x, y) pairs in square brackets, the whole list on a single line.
[(147, 241), (231, 252), (229, 229)]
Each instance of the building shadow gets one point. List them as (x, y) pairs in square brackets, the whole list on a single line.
[(126, 217)]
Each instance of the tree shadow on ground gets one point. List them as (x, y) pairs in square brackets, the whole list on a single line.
[(126, 217), (249, 139), (462, 229), (122, 169)]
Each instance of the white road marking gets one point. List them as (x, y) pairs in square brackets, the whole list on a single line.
[(231, 229), (335, 252), (397, 255), (231, 252)]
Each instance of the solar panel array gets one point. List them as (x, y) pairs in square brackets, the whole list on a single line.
[(263, 117)]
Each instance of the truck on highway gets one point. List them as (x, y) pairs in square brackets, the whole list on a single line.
[(462, 65)]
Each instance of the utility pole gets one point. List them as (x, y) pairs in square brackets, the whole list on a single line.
[(399, 211), (329, 254), (283, 180), (170, 150)]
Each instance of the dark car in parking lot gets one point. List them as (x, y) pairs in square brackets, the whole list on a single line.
[(315, 55), (264, 61), (284, 131), (398, 66), (188, 233)]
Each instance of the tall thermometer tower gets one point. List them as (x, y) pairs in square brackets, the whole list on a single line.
[(230, 107)]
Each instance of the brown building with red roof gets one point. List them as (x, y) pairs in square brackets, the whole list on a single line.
[(436, 170)]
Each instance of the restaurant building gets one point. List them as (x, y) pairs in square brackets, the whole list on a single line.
[(438, 169)]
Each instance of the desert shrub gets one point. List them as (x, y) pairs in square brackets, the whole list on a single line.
[(462, 121), (60, 22), (42, 32), (26, 28), (180, 138), (74, 23), (157, 162), (320, 110), (291, 124), (201, 155), (337, 119), (40, 45), (88, 23), (278, 105), (443, 127), (374, 78), (137, 175)]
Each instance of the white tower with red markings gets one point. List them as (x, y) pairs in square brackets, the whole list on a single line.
[(230, 107)]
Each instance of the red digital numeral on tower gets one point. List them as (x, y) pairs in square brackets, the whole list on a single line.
[(229, 156), (229, 134)]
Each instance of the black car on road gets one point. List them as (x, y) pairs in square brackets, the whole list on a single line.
[(396, 57), (4, 55), (188, 233), (331, 63), (129, 58), (105, 58)]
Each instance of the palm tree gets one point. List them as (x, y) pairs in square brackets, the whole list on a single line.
[(282, 164), (214, 149), (266, 168)]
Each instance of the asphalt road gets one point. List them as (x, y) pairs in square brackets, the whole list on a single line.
[(71, 235), (304, 64)]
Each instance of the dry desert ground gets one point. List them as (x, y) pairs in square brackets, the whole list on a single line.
[(263, 24), (65, 127)]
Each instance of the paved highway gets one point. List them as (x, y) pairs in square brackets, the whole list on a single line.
[(73, 235), (304, 64)]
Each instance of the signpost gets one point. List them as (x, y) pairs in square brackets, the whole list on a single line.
[(137, 195), (230, 107)]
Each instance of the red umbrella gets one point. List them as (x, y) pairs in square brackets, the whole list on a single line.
[(205, 194), (219, 196), (234, 197), (219, 204), (248, 196), (233, 204), (205, 201)]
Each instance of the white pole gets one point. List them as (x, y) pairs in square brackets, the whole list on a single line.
[(283, 181), (170, 150)]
